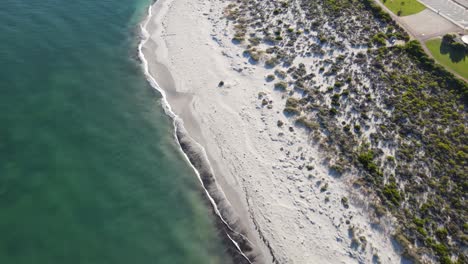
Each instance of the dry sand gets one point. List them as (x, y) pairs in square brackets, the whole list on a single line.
[(261, 167)]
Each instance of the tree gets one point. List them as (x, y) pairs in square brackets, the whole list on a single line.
[(448, 38)]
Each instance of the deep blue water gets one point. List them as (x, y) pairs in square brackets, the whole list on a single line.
[(89, 170)]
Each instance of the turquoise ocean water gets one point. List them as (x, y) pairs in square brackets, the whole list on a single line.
[(89, 170)]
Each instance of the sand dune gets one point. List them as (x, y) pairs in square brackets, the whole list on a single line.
[(289, 202)]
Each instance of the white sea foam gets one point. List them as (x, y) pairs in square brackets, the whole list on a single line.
[(178, 125)]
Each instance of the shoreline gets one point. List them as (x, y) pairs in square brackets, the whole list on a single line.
[(237, 244), (259, 189)]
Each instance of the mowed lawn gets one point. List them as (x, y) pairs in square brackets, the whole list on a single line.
[(459, 65), (404, 7)]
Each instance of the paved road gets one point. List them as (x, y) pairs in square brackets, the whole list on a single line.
[(462, 2), (428, 24), (454, 10)]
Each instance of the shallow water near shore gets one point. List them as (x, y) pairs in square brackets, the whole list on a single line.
[(89, 169)]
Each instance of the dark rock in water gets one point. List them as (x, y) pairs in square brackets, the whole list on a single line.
[(221, 84)]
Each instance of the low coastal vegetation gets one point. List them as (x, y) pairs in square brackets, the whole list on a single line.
[(404, 7), (388, 113), (450, 53)]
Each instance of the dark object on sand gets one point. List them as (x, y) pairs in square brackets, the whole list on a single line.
[(221, 84)]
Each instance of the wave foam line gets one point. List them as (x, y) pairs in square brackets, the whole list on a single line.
[(177, 121)]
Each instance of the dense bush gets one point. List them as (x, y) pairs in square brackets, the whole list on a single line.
[(392, 113), (282, 86), (414, 49)]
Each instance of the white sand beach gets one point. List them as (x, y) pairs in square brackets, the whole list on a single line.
[(278, 183)]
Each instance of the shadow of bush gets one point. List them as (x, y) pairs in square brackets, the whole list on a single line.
[(457, 51)]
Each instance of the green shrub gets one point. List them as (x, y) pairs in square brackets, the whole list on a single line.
[(441, 233), (344, 202), (238, 39), (281, 74), (392, 193), (281, 86), (307, 123), (440, 249), (449, 38), (357, 128), (379, 39), (377, 11), (255, 41), (271, 62), (366, 159), (292, 102), (291, 111), (255, 56), (338, 84)]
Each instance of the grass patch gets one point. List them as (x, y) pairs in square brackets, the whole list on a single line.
[(404, 7), (456, 60)]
